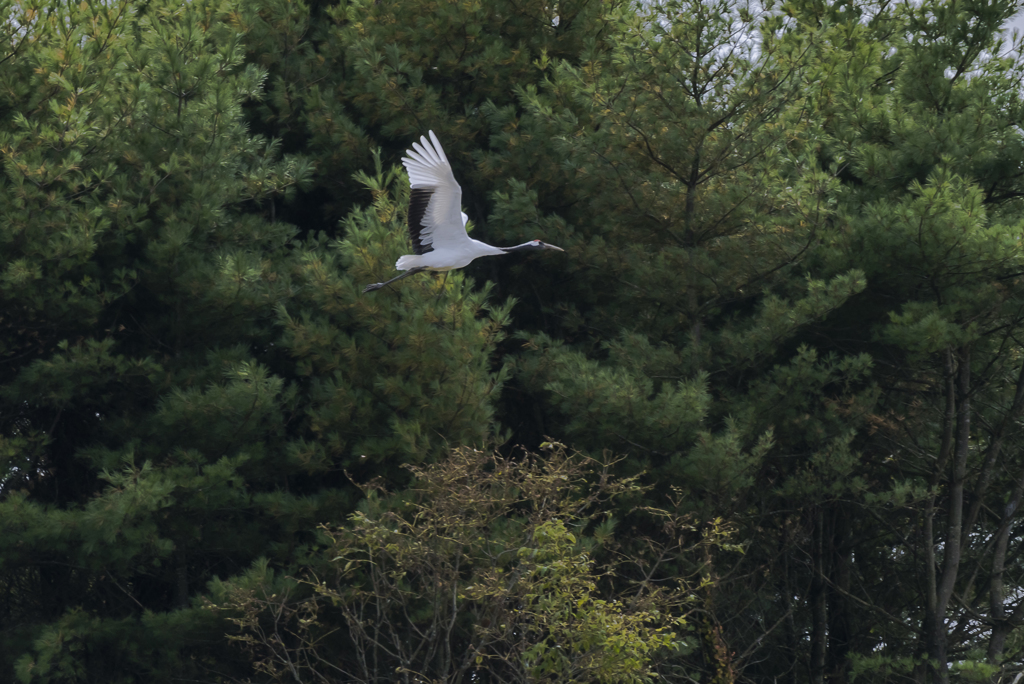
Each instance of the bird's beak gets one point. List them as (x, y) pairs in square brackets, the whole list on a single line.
[(547, 246)]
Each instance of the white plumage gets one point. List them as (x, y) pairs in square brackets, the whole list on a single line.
[(437, 225)]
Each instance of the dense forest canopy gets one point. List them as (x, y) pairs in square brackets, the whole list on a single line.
[(763, 421)]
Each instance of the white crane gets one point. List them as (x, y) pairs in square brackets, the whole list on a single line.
[(437, 225)]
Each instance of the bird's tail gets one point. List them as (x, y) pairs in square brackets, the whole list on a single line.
[(407, 262)]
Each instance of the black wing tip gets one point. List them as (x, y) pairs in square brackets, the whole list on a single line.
[(418, 203)]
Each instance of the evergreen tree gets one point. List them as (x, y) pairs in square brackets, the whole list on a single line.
[(791, 295), (346, 77), (922, 109), (695, 204), (185, 383), (726, 211)]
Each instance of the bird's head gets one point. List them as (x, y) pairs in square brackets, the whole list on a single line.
[(530, 246)]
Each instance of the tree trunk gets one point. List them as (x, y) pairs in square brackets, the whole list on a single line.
[(1003, 624), (936, 645), (940, 584), (819, 607), (839, 627)]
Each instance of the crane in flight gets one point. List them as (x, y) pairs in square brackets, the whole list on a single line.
[(437, 225)]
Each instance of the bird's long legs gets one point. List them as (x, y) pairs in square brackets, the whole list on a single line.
[(377, 286)]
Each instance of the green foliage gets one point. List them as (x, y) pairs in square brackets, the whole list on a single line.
[(692, 200), (880, 667), (803, 244), (347, 77), (605, 401), (791, 294), (425, 337), (480, 569), (185, 381), (919, 117)]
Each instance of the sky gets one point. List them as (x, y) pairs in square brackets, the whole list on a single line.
[(1017, 22)]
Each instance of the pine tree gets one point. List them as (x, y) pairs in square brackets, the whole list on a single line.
[(186, 381), (735, 312), (694, 206), (773, 270), (922, 109), (348, 77), (790, 295)]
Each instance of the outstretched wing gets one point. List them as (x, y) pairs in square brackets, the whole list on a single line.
[(435, 210)]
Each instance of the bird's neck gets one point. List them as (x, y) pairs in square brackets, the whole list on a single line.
[(518, 248), (484, 249)]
